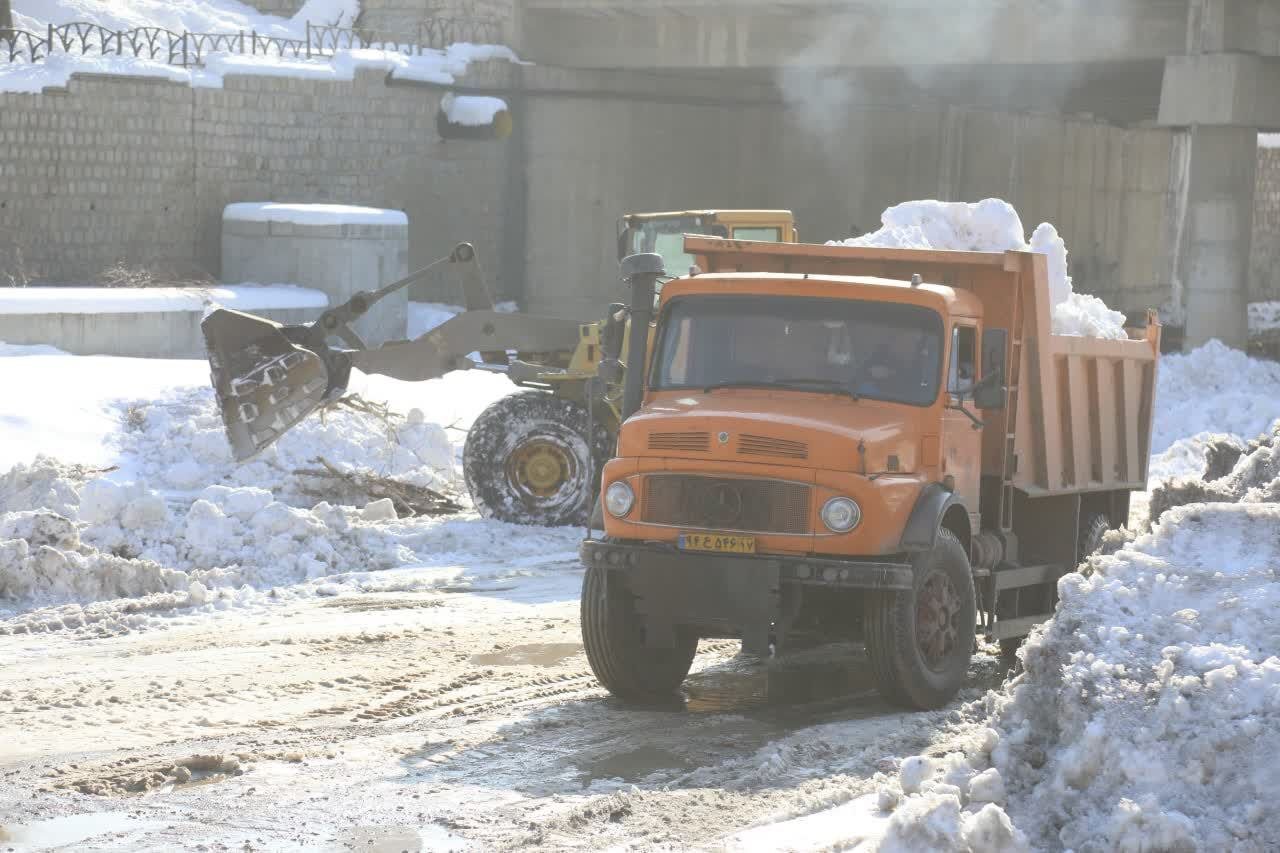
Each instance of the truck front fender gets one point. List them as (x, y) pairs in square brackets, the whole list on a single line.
[(921, 531)]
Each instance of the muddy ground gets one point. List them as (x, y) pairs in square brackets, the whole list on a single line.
[(421, 720)]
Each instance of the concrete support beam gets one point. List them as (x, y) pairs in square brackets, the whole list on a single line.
[(1215, 233), (1236, 89)]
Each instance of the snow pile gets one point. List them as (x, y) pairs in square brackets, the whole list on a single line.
[(206, 16), (993, 225), (1148, 711), (1264, 316), (178, 444), (471, 110), (1213, 389)]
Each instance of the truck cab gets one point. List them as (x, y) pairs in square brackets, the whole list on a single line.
[(824, 451), (663, 233)]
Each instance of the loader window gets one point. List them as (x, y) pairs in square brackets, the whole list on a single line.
[(766, 235), (882, 350), (963, 371)]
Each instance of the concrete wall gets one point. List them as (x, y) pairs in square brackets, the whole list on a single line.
[(150, 334), (137, 170), (1265, 257), (1110, 190), (283, 8), (402, 16)]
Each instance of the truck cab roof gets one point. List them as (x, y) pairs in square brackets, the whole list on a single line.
[(940, 297)]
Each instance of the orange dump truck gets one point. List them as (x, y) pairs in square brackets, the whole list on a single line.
[(832, 443)]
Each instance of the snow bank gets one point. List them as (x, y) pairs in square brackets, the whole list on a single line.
[(993, 225), (470, 110), (312, 214), (1148, 712), (131, 300), (1213, 389), (207, 16)]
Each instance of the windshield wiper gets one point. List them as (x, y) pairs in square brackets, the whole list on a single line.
[(826, 385)]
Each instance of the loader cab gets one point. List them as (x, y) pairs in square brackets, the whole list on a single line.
[(663, 233)]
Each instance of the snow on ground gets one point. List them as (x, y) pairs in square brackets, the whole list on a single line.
[(993, 225), (177, 515), (130, 300)]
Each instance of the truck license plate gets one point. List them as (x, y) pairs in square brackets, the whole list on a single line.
[(721, 542)]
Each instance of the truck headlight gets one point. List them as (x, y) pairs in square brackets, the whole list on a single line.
[(841, 515), (619, 499)]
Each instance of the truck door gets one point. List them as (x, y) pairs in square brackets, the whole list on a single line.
[(961, 442)]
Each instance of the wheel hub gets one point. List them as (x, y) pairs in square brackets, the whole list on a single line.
[(539, 468), (937, 619)]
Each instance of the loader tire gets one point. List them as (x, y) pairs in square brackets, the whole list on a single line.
[(527, 460), (920, 641), (613, 637)]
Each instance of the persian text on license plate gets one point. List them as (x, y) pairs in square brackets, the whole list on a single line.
[(721, 542)]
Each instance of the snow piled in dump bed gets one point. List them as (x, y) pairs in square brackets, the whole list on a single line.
[(993, 225), (312, 214)]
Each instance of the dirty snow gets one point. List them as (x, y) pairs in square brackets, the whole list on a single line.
[(993, 225), (312, 214), (130, 300)]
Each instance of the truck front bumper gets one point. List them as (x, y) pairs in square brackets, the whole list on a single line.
[(728, 594)]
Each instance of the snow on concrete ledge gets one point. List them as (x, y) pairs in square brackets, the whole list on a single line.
[(1269, 140), (312, 214), (471, 110), (142, 300)]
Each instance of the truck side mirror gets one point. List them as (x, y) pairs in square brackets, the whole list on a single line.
[(990, 392)]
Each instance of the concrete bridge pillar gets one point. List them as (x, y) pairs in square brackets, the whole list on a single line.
[(1217, 228), (1220, 92)]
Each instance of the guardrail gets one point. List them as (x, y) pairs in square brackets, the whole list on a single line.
[(187, 48)]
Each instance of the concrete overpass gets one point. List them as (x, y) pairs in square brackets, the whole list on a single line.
[(1207, 71)]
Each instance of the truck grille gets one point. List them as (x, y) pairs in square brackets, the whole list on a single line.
[(716, 503)]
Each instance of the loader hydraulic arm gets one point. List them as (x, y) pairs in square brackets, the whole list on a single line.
[(267, 377)]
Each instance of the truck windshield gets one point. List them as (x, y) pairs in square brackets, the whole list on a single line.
[(881, 350)]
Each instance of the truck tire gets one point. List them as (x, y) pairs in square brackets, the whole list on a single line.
[(613, 637), (527, 460), (920, 642)]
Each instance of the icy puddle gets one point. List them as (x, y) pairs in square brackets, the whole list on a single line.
[(70, 830)]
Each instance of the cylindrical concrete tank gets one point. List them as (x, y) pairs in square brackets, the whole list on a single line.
[(334, 248)]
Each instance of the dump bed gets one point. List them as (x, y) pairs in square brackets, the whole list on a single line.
[(1079, 410)]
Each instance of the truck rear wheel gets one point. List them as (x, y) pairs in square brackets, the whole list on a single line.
[(613, 636), (527, 460), (920, 641)]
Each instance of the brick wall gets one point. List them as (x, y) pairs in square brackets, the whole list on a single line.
[(402, 16), (133, 170), (1265, 259)]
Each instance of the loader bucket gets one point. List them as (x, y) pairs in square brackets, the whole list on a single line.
[(265, 382)]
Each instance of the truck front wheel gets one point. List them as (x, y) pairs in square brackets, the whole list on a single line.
[(920, 641), (613, 636)]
